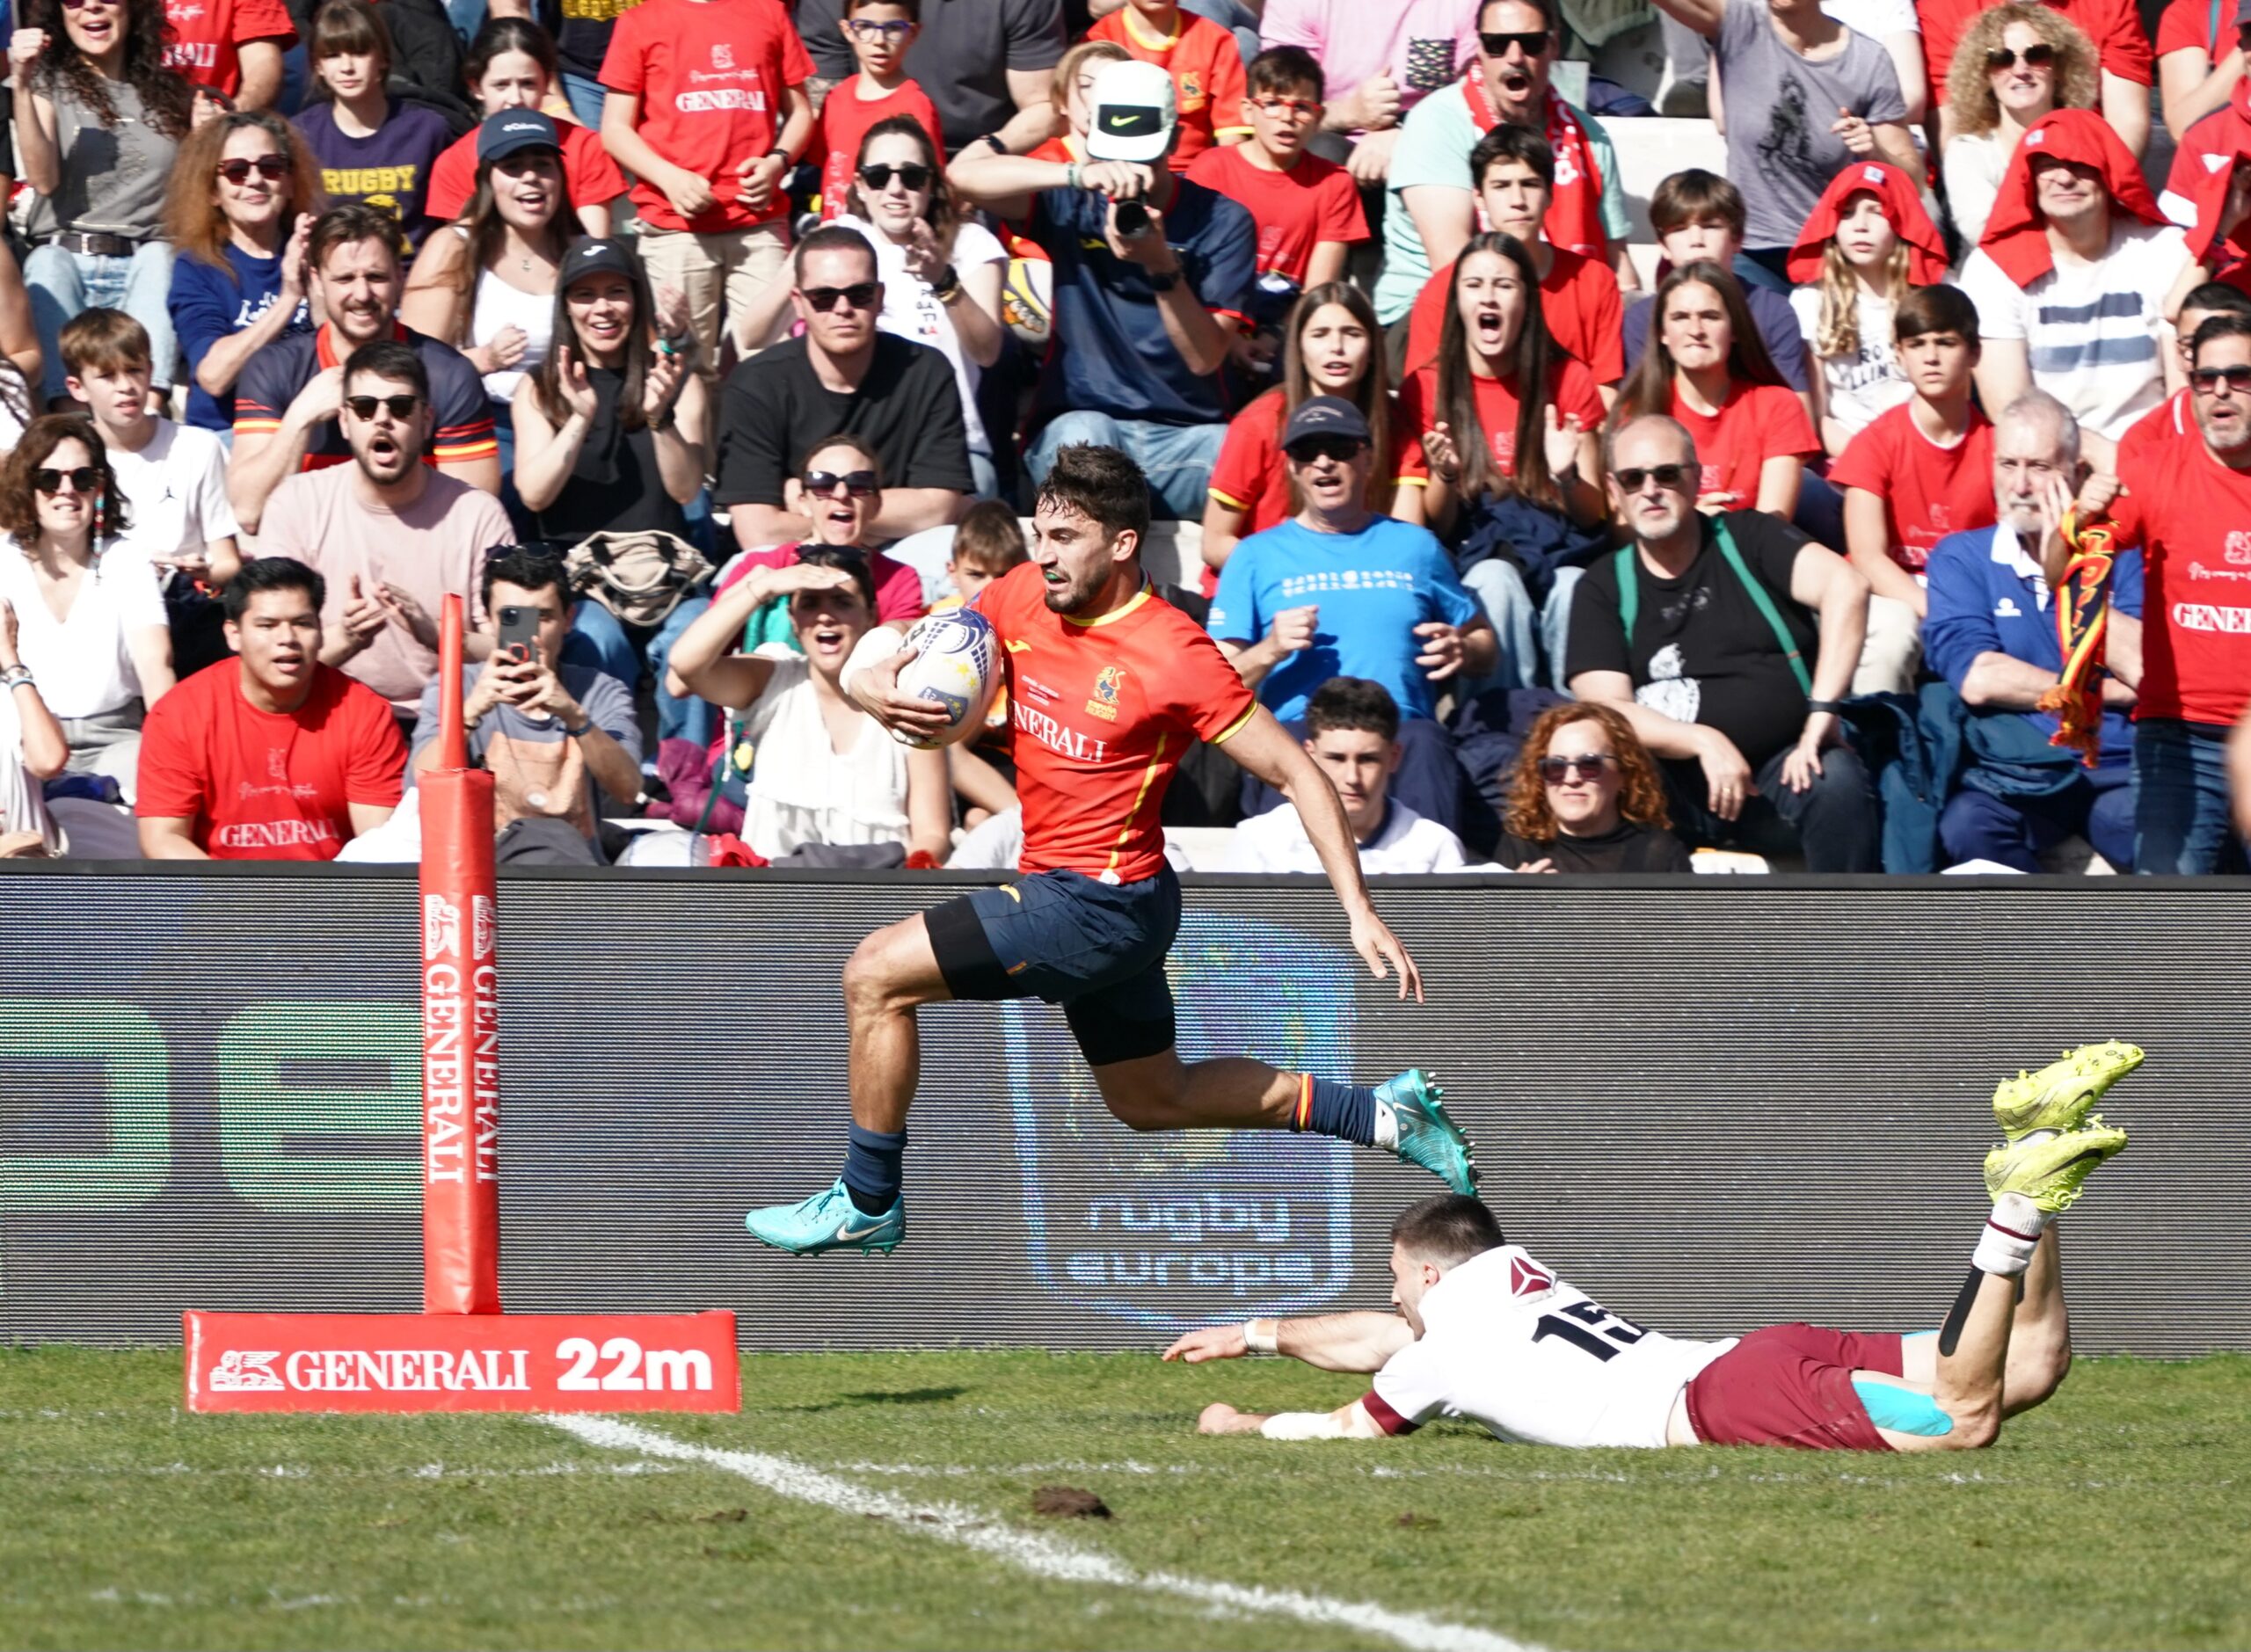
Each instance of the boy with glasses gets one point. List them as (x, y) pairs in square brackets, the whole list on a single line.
[(879, 32), (843, 377), (391, 536), (1308, 209)]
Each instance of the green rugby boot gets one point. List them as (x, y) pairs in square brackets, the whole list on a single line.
[(2051, 1170), (2062, 1093), (1427, 1136)]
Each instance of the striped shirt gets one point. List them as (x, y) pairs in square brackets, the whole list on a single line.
[(275, 374)]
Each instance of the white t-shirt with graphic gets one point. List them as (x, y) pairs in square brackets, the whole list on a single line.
[(911, 311), (1507, 1344), (1862, 386)]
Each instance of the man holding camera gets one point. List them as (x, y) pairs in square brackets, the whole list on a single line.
[(550, 734), (1152, 274)]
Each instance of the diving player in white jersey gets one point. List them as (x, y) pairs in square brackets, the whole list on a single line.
[(1485, 1332)]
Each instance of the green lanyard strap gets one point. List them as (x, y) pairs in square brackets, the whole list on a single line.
[(1627, 564)]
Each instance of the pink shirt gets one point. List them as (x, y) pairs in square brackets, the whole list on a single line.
[(1425, 44)]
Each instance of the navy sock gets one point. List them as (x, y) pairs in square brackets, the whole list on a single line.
[(1328, 1107), (872, 1168)]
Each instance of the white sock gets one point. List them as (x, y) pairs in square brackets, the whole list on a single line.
[(1387, 1126), (2011, 1233)]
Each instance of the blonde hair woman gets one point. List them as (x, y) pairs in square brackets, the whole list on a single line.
[(2016, 63)]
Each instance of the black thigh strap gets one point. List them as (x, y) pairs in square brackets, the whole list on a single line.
[(966, 958)]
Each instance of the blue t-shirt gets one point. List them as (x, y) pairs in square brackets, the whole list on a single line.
[(1986, 597), (1112, 353), (208, 304), (1373, 588), (388, 169)]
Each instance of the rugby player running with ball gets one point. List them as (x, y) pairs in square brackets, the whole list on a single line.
[(1108, 688)]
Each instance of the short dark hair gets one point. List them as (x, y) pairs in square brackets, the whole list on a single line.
[(1103, 485), (526, 567), (270, 573), (1355, 703), (1940, 308), (1448, 1229), (348, 225), (1286, 68), (912, 8), (1550, 12), (832, 238), (850, 558), (989, 538), (2219, 298), (2212, 329), (1687, 197), (392, 358), (1506, 143)]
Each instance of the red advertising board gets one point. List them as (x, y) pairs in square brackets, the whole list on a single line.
[(462, 1362)]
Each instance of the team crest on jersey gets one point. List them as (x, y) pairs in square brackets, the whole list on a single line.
[(1528, 1278), (1104, 704), (1191, 91)]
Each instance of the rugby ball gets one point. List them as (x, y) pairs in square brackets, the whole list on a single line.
[(956, 664)]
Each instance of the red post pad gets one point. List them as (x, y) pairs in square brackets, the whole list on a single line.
[(461, 1014), (462, 1362)]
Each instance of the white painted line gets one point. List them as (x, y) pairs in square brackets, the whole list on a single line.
[(1030, 1551)]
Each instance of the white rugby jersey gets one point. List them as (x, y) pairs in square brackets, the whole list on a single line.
[(1508, 1344)]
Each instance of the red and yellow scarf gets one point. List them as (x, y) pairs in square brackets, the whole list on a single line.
[(2082, 626)]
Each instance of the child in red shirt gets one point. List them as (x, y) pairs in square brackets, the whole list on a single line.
[(879, 31), (707, 109), (1308, 209), (511, 65), (1203, 59)]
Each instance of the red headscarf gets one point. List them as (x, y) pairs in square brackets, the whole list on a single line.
[(2205, 244), (1903, 208), (2016, 236)]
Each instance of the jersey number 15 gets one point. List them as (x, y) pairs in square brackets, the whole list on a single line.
[(1585, 1326)]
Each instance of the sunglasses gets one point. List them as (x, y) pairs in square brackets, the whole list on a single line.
[(2207, 380), (1665, 476), (2040, 56), (1497, 45), (400, 407), (913, 175), (872, 31), (859, 295), (1294, 108), (860, 484), (83, 479), (271, 167), (1556, 771), (1343, 449), (80, 5)]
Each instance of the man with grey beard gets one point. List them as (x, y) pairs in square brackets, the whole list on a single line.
[(1991, 631)]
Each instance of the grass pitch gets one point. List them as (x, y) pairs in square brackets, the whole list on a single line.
[(2117, 1516)]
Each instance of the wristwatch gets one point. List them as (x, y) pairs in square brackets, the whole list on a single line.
[(994, 138), (1163, 280)]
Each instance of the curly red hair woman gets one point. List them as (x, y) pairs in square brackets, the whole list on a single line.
[(1586, 797)]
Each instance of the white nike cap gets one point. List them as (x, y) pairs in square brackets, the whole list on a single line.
[(1132, 115)]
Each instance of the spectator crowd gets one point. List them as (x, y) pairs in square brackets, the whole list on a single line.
[(687, 342)]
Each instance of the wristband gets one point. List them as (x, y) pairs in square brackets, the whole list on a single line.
[(994, 138), (584, 728), (17, 677), (1071, 175), (1833, 708), (1265, 1341)]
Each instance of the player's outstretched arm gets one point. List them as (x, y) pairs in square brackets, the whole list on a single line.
[(1347, 1423), (1263, 747), (1360, 1341)]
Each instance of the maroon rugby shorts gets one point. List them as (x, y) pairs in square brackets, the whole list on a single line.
[(1792, 1385)]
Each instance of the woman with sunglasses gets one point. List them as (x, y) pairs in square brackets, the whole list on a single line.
[(99, 124), (839, 488), (90, 620), (240, 205), (605, 440), (1331, 345), (2016, 63), (487, 283), (1706, 366), (824, 771), (1585, 797), (941, 272), (511, 65)]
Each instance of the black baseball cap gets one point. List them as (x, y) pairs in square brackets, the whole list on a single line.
[(596, 258), (514, 129), (1324, 416)]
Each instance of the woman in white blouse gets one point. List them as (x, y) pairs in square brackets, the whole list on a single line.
[(90, 616), (2016, 64)]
